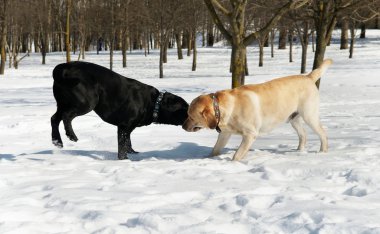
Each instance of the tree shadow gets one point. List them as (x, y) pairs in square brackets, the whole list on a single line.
[(9, 157), (284, 151), (94, 154)]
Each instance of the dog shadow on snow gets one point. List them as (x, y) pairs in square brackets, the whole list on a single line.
[(184, 151)]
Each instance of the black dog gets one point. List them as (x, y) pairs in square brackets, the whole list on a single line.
[(81, 87)]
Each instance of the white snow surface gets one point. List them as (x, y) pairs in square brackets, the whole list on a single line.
[(171, 186)]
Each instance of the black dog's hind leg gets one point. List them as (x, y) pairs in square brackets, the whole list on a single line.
[(67, 118), (124, 143), (55, 135)]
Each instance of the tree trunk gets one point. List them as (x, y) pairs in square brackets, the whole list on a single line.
[(282, 38), (9, 57), (238, 64), (291, 45), (60, 36), (304, 42), (147, 41), (3, 38), (261, 53), (203, 36), (151, 41), (321, 44), (98, 45), (246, 68), (24, 42), (82, 45), (43, 44), (118, 39), (272, 33), (83, 49), (324, 27), (15, 52), (165, 55), (111, 53), (313, 40), (162, 43), (194, 66), (185, 37), (266, 42), (161, 62), (30, 44), (112, 34), (75, 42), (67, 41), (303, 58), (210, 33), (124, 50), (179, 46), (36, 42), (362, 30), (190, 45), (344, 35), (352, 42), (145, 44)]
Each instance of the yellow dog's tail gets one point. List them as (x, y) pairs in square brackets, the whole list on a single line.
[(317, 73)]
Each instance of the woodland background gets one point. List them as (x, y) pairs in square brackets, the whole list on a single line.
[(78, 26)]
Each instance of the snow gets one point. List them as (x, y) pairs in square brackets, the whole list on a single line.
[(170, 186)]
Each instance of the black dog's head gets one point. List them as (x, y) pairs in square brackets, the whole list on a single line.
[(173, 110)]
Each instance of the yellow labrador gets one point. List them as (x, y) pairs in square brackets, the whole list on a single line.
[(250, 110)]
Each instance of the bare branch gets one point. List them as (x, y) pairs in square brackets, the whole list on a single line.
[(292, 4), (220, 7), (217, 20)]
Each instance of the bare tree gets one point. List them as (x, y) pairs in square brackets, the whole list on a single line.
[(233, 28), (361, 15), (67, 40), (81, 7), (325, 15), (210, 32), (303, 26), (3, 36), (344, 34), (304, 33), (164, 14), (282, 38), (112, 32), (124, 31), (290, 33)]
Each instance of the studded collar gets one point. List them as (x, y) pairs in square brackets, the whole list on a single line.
[(157, 105)]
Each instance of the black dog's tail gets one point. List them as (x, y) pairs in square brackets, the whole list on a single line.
[(65, 73)]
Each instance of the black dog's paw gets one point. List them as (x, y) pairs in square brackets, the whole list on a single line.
[(73, 138), (58, 143)]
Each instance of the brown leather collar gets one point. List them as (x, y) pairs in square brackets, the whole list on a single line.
[(215, 103)]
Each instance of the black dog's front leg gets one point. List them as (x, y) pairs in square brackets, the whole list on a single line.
[(124, 143)]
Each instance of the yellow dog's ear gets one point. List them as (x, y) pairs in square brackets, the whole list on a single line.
[(210, 118)]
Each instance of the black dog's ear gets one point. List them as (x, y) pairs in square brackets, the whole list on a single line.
[(181, 115), (71, 82), (173, 110), (210, 118)]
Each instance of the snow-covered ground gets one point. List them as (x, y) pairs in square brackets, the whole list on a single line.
[(170, 187)]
